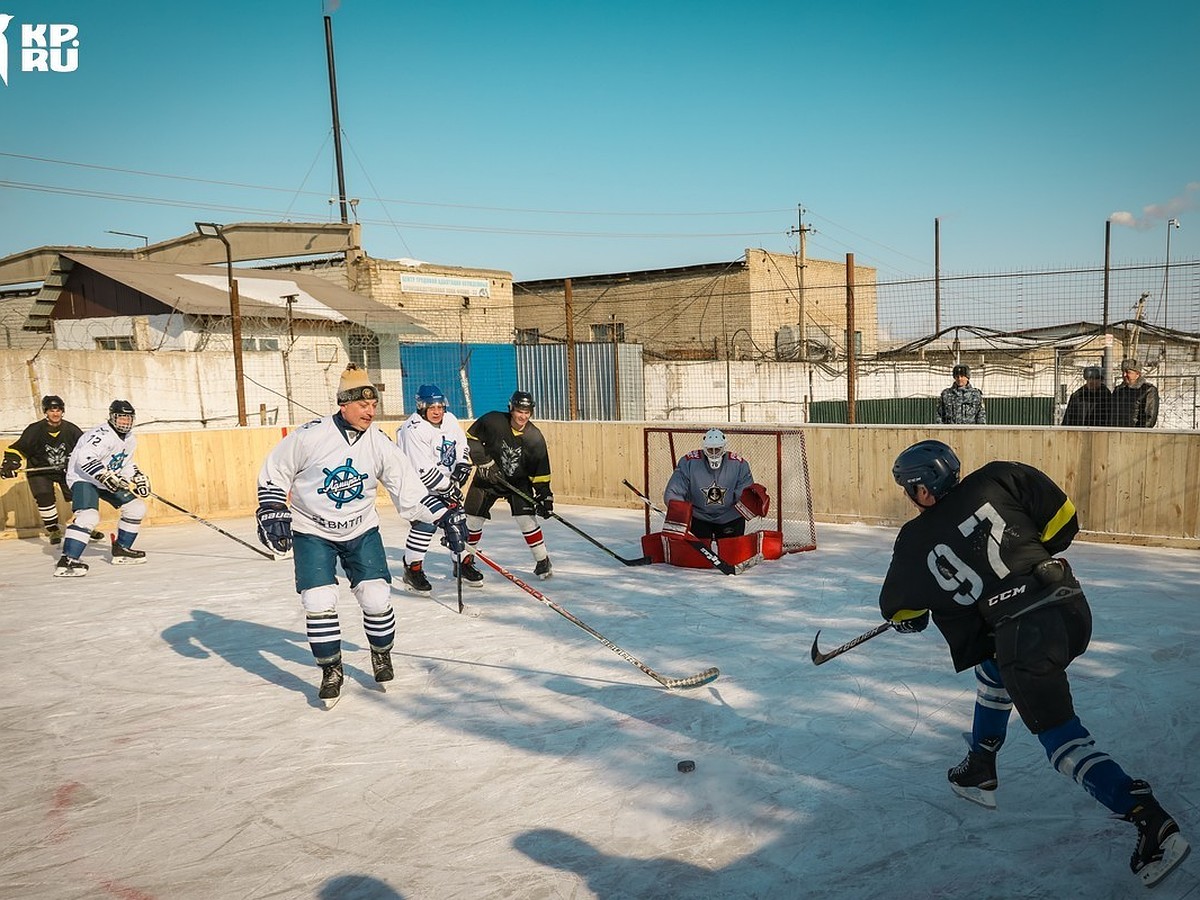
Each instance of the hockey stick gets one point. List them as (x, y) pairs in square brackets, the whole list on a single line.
[(44, 470), (699, 679), (717, 563), (642, 561), (458, 572), (212, 526), (818, 657)]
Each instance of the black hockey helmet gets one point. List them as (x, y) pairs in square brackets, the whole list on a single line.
[(930, 463), (521, 400), (117, 409), (52, 401)]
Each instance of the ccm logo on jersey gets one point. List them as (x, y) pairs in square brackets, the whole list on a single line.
[(1006, 595)]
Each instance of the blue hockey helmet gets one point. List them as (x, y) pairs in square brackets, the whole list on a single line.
[(929, 463), (430, 395)]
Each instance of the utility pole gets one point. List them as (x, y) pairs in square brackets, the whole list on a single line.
[(801, 231), (937, 275), (569, 304)]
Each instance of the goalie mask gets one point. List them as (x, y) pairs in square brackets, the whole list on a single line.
[(714, 447)]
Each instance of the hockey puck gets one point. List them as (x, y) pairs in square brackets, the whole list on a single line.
[(686, 765)]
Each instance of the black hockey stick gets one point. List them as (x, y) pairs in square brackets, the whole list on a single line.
[(458, 572), (818, 657), (212, 526), (642, 561), (44, 470), (717, 563), (699, 679)]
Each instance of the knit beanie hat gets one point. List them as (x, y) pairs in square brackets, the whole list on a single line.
[(355, 384)]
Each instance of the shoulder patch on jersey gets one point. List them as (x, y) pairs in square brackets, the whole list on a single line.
[(694, 454), (733, 455)]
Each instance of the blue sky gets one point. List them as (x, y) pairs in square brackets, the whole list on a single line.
[(567, 139)]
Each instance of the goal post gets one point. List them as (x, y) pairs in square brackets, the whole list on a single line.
[(778, 460)]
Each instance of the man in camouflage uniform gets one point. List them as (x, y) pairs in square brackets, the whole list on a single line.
[(961, 404)]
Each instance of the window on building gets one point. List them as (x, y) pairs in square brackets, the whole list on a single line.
[(269, 344), (605, 332), (363, 350), (117, 342), (529, 336)]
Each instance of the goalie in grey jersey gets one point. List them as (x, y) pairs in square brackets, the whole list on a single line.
[(982, 557), (332, 469), (718, 486)]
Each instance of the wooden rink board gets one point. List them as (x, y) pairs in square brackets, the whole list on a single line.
[(1130, 486)]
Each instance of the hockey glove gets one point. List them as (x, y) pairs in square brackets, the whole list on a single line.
[(112, 481), (452, 495), (461, 473), (916, 621), (544, 504), (275, 527), (8, 468), (1050, 572), (486, 472), (454, 524), (140, 483)]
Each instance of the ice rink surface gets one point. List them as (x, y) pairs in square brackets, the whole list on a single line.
[(163, 739)]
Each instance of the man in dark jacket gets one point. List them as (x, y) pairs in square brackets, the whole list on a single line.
[(1091, 404), (962, 402), (1134, 400)]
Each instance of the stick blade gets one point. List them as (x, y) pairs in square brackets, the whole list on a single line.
[(817, 656), (708, 676)]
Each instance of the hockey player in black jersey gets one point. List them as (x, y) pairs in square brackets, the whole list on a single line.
[(44, 447), (508, 445), (981, 557)]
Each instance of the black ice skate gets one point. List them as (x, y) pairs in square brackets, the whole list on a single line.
[(331, 683), (542, 569), (126, 556), (55, 534), (415, 581), (381, 664), (975, 778), (1160, 846), (471, 575), (69, 568)]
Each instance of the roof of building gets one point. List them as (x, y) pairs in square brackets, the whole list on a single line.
[(203, 291)]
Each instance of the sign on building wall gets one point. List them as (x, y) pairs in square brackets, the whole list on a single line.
[(445, 284)]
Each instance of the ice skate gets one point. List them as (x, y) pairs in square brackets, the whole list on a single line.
[(55, 534), (471, 576), (126, 556), (1160, 846), (415, 581), (975, 778), (542, 569), (69, 568), (331, 683), (381, 664)]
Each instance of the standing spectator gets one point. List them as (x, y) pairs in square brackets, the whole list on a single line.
[(45, 446), (330, 470), (1134, 400), (101, 467), (982, 555), (506, 445), (435, 444), (1090, 405), (961, 403)]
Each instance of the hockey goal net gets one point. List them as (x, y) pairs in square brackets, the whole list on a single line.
[(778, 461)]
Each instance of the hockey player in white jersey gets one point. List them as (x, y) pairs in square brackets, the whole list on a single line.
[(101, 467), (332, 469), (434, 442)]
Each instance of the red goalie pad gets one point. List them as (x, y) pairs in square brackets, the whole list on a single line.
[(661, 547), (754, 502)]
